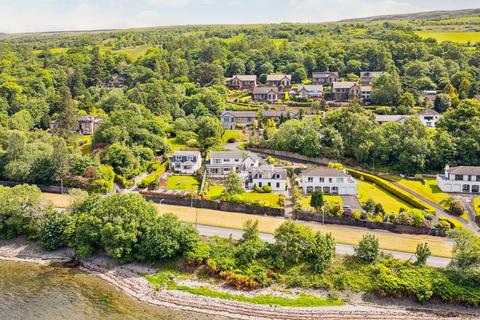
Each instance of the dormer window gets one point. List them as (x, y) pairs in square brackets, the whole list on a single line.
[(259, 176), (276, 176), (191, 158), (178, 158)]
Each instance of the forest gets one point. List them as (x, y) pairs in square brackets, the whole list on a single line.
[(172, 86)]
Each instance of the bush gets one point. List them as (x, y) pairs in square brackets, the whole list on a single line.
[(56, 230), (451, 222), (367, 250), (394, 190), (151, 181), (422, 253)]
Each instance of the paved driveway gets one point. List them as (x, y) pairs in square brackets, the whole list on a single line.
[(352, 201)]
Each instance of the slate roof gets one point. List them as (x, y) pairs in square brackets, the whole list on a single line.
[(324, 172), (245, 77), (232, 155), (186, 153), (428, 112), (464, 170), (344, 85), (268, 171), (240, 114), (370, 74), (311, 88), (278, 77), (390, 118), (265, 90), (323, 74), (366, 88)]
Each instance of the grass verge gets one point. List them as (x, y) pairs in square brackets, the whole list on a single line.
[(301, 301)]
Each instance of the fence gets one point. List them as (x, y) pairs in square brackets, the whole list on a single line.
[(397, 228), (181, 200)]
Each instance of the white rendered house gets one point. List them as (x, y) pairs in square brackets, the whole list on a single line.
[(186, 162), (268, 175), (328, 181), (460, 179), (223, 162)]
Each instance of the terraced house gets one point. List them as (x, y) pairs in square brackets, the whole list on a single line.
[(328, 181), (460, 179)]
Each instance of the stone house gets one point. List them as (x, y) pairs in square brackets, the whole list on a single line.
[(279, 80), (267, 94), (233, 119), (242, 82), (325, 78), (186, 162), (460, 179), (344, 91), (328, 181)]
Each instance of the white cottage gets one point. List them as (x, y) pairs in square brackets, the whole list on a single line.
[(460, 179), (268, 175), (328, 181), (223, 162), (186, 162)]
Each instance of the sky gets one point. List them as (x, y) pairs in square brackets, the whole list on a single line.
[(60, 15)]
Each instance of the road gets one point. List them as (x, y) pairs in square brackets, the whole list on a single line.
[(342, 249)]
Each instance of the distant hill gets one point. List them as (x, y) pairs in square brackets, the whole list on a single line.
[(444, 14)]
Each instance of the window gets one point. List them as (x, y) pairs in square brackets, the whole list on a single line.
[(278, 185), (237, 160), (478, 178), (190, 158), (260, 184), (340, 180), (310, 179), (322, 180), (269, 184), (466, 188), (178, 158), (330, 180), (259, 176), (475, 188), (458, 177), (276, 176), (226, 160)]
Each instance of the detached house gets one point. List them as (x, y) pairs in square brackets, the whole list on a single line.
[(268, 175), (232, 119), (279, 80), (366, 92), (344, 91), (325, 78), (429, 117), (87, 125), (328, 181), (223, 162), (460, 179), (242, 82), (277, 115), (386, 118), (309, 91), (268, 94), (186, 162), (367, 77)]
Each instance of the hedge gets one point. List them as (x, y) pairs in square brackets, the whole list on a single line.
[(394, 190), (152, 180), (454, 224)]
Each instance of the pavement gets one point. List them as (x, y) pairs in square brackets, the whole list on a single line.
[(341, 249)]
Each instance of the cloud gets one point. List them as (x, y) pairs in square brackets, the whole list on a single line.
[(171, 3)]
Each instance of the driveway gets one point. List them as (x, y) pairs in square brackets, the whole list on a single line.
[(353, 202)]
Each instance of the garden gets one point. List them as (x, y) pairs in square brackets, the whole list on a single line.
[(184, 183), (216, 192)]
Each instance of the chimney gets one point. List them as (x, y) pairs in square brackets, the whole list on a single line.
[(447, 168)]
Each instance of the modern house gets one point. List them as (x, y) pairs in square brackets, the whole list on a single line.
[(460, 179), (429, 117), (268, 175), (268, 94), (328, 181), (221, 163), (279, 80), (325, 78), (186, 162), (309, 91), (242, 82), (367, 77), (233, 119), (344, 91), (277, 115)]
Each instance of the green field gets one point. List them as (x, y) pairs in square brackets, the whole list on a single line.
[(187, 183), (135, 52), (367, 190), (429, 189), (459, 37)]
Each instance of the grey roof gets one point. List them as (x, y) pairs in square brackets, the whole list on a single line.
[(428, 112), (278, 77), (464, 170), (390, 118), (245, 77), (311, 87), (186, 153), (366, 88), (344, 84), (265, 90), (232, 155), (277, 113), (370, 73), (324, 172), (324, 74), (89, 119), (240, 114), (268, 171)]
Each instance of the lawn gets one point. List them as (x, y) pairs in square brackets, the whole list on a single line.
[(332, 200), (215, 192), (429, 189), (237, 135), (390, 203), (175, 145), (85, 143), (343, 234), (187, 183), (270, 199), (459, 37), (135, 52), (58, 200)]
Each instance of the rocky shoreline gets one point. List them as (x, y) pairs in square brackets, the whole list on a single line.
[(129, 279)]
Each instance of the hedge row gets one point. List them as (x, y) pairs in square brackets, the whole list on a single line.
[(390, 188), (454, 224), (152, 180)]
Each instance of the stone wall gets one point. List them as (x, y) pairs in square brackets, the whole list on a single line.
[(397, 228), (186, 201), (43, 188)]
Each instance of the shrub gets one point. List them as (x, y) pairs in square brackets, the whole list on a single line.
[(356, 214), (282, 200), (390, 188), (455, 206), (367, 250), (56, 230), (267, 189), (422, 253), (454, 224)]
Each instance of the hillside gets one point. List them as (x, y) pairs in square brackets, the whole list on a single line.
[(427, 15)]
